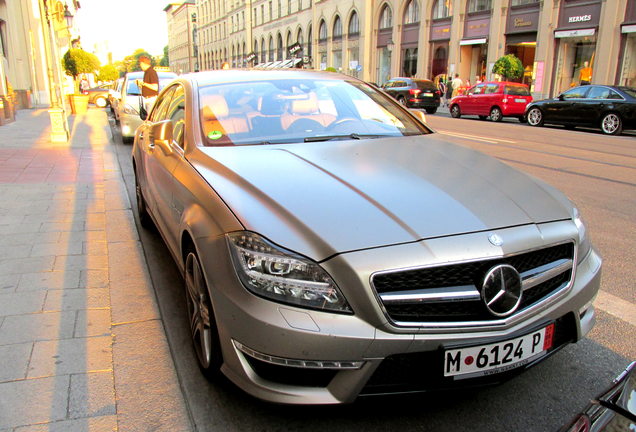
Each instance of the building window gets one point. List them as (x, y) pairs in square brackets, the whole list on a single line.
[(386, 17), (412, 13), (337, 28), (271, 49), (441, 9), (3, 38), (354, 24), (279, 47), (280, 8), (522, 2), (322, 32), (479, 5), (271, 10), (309, 41), (289, 2)]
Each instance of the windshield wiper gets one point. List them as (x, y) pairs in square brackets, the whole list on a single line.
[(349, 136)]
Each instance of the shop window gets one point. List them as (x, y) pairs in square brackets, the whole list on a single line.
[(441, 9), (337, 28), (409, 66), (479, 5), (412, 13), (354, 24), (386, 17)]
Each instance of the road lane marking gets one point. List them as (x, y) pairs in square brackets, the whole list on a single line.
[(477, 137), (616, 306)]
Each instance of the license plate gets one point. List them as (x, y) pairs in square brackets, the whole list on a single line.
[(427, 94), (498, 357), (520, 100)]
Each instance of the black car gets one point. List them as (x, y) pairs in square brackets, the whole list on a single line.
[(612, 108), (613, 410), (414, 93)]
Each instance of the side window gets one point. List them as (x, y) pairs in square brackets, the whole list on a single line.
[(492, 89), (478, 89), (389, 85), (614, 95), (575, 93), (176, 113), (161, 105), (598, 93)]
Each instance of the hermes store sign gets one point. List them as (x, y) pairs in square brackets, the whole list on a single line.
[(580, 18)]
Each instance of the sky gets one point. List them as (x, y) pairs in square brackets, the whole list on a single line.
[(123, 26)]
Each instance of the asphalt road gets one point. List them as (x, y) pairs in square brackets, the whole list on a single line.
[(595, 171)]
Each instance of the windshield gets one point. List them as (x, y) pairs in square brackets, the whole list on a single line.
[(299, 110)]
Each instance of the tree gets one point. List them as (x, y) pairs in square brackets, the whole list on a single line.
[(508, 66), (165, 60), (107, 73), (76, 61), (131, 62)]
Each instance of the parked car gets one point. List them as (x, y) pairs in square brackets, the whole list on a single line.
[(333, 246), (131, 100), (613, 410), (492, 99), (114, 94), (414, 93), (98, 95), (610, 108)]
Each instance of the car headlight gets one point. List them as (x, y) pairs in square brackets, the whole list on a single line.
[(584, 241), (283, 276), (130, 110)]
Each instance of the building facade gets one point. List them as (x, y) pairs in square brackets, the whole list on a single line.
[(181, 36), (561, 43), (33, 37)]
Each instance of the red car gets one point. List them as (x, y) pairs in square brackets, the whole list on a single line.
[(492, 99)]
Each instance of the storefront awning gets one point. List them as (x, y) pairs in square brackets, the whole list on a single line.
[(280, 64), (473, 41), (574, 33)]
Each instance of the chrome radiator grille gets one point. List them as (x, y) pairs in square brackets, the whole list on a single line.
[(451, 294)]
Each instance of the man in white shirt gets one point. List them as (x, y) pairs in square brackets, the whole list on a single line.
[(456, 83)]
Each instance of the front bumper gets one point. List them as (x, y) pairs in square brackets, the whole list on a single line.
[(129, 124), (284, 354)]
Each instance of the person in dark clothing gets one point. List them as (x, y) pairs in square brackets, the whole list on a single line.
[(150, 84)]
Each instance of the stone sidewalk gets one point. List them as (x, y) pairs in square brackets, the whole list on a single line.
[(82, 343)]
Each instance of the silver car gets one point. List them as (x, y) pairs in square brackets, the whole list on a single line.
[(130, 100), (334, 247)]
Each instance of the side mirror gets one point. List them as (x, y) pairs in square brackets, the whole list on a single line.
[(161, 136), (419, 115)]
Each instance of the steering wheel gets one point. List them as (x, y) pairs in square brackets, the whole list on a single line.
[(340, 122)]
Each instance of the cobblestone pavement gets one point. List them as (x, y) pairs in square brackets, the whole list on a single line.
[(82, 343)]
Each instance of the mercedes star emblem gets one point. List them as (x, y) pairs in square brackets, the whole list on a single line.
[(501, 290), (495, 239)]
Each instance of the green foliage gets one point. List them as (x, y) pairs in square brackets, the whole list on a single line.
[(131, 62), (508, 66), (108, 73), (165, 60), (76, 61), (331, 69)]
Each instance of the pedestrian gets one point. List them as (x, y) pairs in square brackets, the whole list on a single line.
[(457, 83), (441, 86), (477, 80), (449, 90), (149, 85)]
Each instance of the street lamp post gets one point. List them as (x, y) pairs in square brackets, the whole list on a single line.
[(57, 114)]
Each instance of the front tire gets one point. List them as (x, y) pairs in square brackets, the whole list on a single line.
[(535, 117), (495, 114), (455, 111), (402, 101), (611, 124), (203, 330)]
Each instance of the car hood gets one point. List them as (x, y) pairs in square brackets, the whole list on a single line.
[(324, 198)]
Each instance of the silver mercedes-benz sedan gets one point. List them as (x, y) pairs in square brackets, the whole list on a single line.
[(333, 246)]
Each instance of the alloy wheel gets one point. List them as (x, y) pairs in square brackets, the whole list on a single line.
[(611, 124), (199, 311), (455, 111), (495, 114), (535, 117)]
